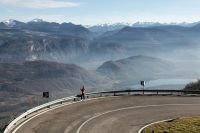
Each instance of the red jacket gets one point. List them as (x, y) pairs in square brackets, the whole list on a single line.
[(82, 90)]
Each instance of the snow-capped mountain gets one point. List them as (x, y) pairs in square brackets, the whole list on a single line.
[(146, 24), (152, 24), (10, 22), (102, 28), (65, 42), (36, 20)]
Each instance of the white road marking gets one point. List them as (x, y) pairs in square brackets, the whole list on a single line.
[(55, 107), (127, 108), (141, 129)]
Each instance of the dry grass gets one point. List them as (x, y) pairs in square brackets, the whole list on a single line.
[(182, 125)]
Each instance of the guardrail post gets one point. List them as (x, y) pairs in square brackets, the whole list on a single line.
[(129, 92)]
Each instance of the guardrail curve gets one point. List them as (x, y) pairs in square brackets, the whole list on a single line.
[(16, 121), (30, 111)]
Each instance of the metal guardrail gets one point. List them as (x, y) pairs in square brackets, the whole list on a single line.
[(157, 92), (28, 112), (98, 94)]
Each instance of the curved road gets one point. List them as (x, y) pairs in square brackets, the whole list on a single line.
[(125, 114)]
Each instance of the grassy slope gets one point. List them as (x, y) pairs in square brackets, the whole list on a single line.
[(183, 125)]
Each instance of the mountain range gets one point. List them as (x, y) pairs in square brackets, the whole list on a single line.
[(102, 28), (42, 56), (43, 26), (70, 43), (42, 40)]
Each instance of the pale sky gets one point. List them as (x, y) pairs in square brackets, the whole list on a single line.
[(91, 12)]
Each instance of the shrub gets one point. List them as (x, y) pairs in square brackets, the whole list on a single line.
[(193, 86)]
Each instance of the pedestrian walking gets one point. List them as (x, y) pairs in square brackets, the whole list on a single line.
[(82, 92)]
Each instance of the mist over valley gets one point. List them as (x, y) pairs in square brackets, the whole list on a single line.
[(40, 56)]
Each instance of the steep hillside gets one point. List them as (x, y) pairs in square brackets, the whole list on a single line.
[(136, 68), (22, 84), (38, 76), (40, 40), (17, 45), (3, 25)]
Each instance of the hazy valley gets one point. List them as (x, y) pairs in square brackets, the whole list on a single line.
[(60, 58)]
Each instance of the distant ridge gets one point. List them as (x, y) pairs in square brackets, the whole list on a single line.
[(135, 67)]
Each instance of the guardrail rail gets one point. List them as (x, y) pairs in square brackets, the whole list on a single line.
[(16, 121), (23, 116)]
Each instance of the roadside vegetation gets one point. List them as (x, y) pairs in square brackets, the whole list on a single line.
[(193, 86), (1, 130), (182, 125)]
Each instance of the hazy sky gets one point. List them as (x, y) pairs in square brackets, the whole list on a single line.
[(89, 12)]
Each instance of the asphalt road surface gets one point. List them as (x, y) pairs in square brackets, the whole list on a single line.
[(124, 114)]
